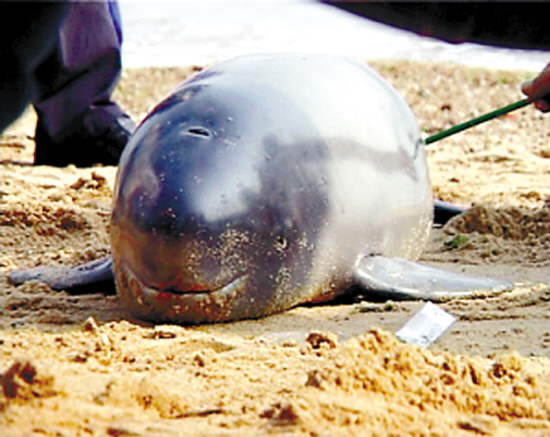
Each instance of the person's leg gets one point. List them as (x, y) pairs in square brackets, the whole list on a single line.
[(27, 35), (78, 123)]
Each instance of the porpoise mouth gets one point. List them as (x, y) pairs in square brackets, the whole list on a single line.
[(197, 290), (173, 305)]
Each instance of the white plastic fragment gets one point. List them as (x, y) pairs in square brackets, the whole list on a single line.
[(426, 326)]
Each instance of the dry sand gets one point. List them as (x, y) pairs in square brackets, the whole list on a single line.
[(77, 366)]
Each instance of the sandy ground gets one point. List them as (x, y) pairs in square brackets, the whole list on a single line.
[(76, 365)]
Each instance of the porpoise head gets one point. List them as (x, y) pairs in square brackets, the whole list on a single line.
[(218, 205)]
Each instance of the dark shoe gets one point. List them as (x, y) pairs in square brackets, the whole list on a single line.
[(96, 137)]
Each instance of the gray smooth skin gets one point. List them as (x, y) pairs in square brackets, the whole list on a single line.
[(269, 181)]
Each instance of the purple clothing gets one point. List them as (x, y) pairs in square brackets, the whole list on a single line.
[(27, 36), (82, 69)]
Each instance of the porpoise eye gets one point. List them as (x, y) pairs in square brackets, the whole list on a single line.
[(199, 131), (281, 243)]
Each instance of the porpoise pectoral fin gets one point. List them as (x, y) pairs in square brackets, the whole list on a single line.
[(63, 278), (444, 211), (400, 279)]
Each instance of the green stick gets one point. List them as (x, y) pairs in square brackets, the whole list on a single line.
[(481, 119)]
